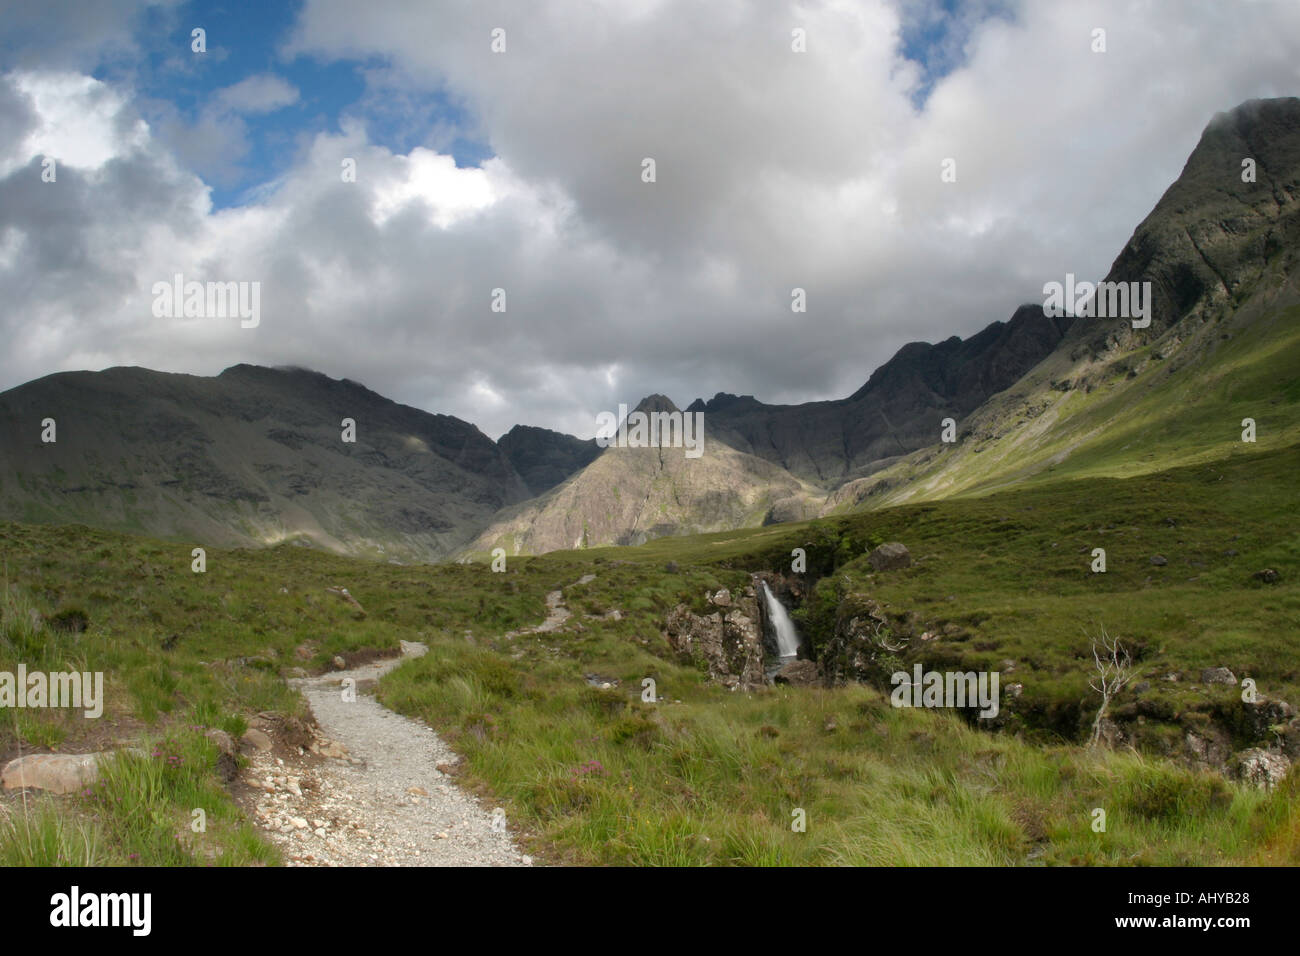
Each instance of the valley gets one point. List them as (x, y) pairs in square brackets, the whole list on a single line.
[(710, 775), (1102, 560)]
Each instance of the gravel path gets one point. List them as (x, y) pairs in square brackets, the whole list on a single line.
[(556, 612), (379, 798)]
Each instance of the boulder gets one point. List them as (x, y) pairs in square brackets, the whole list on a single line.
[(1291, 739), (256, 739), (1268, 576), (1210, 747), (1260, 767), (225, 743), (858, 650), (330, 748), (890, 556), (722, 598), (57, 773), (1218, 675), (226, 765), (798, 674)]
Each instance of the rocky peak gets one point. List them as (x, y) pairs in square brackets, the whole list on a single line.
[(656, 403), (1212, 235)]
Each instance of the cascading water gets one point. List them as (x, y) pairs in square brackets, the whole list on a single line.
[(787, 638)]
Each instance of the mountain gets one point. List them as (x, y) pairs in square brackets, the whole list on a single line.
[(251, 456), (629, 495), (771, 463), (1222, 256), (255, 455), (544, 458), (896, 412)]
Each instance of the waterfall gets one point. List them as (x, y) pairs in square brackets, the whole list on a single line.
[(787, 638)]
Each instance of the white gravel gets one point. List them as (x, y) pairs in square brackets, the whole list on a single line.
[(381, 801)]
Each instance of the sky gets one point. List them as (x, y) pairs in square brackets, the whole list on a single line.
[(380, 169)]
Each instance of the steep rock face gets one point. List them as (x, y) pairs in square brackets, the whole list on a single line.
[(544, 458), (1211, 236), (728, 642), (251, 456), (896, 412)]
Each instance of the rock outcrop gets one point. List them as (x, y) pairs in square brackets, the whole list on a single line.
[(728, 641), (864, 644), (1260, 767)]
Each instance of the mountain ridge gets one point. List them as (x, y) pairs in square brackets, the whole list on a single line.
[(1223, 259), (255, 454)]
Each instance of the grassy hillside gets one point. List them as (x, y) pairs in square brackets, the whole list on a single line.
[(251, 457), (707, 776)]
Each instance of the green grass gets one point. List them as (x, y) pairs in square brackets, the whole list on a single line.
[(1163, 405), (597, 777), (46, 834), (708, 777), (713, 779)]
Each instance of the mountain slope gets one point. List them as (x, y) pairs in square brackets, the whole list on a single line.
[(896, 412), (254, 455), (630, 495), (251, 456), (771, 463), (544, 458), (1223, 257)]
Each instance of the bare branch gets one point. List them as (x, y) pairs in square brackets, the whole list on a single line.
[(1114, 670)]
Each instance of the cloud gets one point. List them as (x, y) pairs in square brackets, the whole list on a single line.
[(775, 169), (71, 118), (264, 93), (72, 34), (215, 142)]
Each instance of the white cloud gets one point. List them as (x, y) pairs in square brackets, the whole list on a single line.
[(264, 93), (80, 121), (434, 179), (775, 170)]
